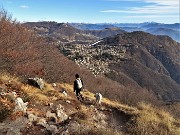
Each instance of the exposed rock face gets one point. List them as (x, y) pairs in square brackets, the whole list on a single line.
[(50, 121), (37, 82), (13, 127)]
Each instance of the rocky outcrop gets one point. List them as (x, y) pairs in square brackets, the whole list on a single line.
[(20, 105), (51, 120), (13, 127), (37, 82)]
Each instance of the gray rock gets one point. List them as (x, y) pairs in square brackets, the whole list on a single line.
[(60, 107), (60, 113), (42, 122), (54, 84), (32, 117), (37, 82), (65, 93), (13, 131), (13, 127), (67, 101), (66, 132), (52, 128), (20, 105), (51, 115), (92, 106), (51, 105)]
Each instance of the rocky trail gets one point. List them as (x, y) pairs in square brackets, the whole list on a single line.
[(56, 110)]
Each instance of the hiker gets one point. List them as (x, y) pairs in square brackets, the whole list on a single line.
[(78, 86), (98, 97)]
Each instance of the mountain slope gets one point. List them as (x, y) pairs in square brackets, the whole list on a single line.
[(59, 31), (136, 59), (157, 56)]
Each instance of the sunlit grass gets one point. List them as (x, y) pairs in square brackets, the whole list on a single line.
[(153, 121), (4, 76)]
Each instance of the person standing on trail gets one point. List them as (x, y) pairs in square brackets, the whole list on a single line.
[(78, 86)]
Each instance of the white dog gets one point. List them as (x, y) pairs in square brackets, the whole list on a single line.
[(98, 97)]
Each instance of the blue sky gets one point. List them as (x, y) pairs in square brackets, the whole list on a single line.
[(94, 11)]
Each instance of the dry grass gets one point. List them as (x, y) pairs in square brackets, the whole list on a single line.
[(66, 86), (153, 121), (146, 119), (49, 93), (34, 93), (113, 104), (99, 131), (6, 77), (6, 109)]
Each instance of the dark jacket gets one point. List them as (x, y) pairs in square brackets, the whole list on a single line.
[(76, 85)]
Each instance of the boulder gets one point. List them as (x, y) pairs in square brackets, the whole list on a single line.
[(36, 82), (51, 115), (20, 105), (42, 122), (60, 113), (65, 93), (52, 128), (32, 117), (54, 84), (67, 101)]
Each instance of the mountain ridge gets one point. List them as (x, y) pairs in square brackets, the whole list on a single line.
[(130, 27)]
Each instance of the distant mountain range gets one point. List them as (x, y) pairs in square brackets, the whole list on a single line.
[(83, 31), (172, 30)]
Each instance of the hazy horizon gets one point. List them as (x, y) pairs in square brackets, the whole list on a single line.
[(101, 22)]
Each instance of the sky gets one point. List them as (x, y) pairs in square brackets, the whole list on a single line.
[(94, 11)]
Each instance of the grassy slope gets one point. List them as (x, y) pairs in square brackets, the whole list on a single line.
[(145, 119)]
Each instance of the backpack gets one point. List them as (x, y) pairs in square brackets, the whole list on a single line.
[(79, 83)]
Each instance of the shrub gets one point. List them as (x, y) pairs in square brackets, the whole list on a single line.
[(6, 108)]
